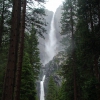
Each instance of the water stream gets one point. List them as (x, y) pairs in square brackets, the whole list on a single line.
[(42, 89)]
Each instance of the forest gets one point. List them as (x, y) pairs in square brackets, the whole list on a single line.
[(21, 25)]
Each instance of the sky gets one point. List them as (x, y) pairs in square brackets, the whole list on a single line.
[(52, 5)]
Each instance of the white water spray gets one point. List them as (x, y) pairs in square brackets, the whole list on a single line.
[(50, 45), (42, 89)]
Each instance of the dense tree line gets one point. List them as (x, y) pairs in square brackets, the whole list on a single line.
[(20, 25), (81, 29)]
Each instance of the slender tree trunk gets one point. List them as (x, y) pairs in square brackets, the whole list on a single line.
[(99, 11), (8, 90), (96, 70), (96, 61), (1, 24), (75, 88), (73, 45), (20, 56), (96, 67), (97, 75)]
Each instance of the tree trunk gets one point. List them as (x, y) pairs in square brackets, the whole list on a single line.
[(97, 75), (98, 6), (96, 67), (20, 56), (1, 24), (8, 90), (73, 53)]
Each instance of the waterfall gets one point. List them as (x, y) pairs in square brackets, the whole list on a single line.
[(42, 89), (51, 44), (50, 49)]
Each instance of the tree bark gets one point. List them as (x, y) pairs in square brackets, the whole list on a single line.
[(73, 53), (9, 81), (98, 14), (1, 24), (20, 56)]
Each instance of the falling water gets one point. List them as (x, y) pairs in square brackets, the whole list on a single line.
[(42, 89), (50, 49), (50, 45)]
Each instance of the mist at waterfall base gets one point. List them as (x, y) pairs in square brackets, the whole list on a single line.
[(51, 44)]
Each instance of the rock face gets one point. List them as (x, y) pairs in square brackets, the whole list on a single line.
[(51, 70)]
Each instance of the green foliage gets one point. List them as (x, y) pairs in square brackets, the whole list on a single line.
[(28, 91), (31, 67), (52, 93), (81, 65), (65, 92), (68, 17)]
